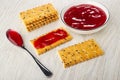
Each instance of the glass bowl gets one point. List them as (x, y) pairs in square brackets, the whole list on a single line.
[(80, 31)]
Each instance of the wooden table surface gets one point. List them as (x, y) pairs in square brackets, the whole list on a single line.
[(16, 64)]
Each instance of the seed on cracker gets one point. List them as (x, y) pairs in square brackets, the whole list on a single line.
[(80, 52), (39, 16), (50, 40)]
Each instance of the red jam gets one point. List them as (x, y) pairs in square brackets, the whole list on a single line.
[(14, 37), (50, 38), (85, 17)]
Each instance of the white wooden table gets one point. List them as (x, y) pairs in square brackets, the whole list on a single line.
[(16, 64)]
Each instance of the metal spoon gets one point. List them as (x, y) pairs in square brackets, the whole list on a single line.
[(15, 38)]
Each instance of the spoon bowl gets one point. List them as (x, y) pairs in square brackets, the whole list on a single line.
[(14, 37)]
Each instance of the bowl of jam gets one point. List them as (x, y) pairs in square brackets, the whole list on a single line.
[(85, 17)]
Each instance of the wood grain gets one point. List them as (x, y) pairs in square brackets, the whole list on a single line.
[(16, 64)]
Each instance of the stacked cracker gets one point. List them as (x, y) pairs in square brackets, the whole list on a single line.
[(39, 16), (80, 52)]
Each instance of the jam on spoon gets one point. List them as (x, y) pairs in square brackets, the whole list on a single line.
[(15, 38)]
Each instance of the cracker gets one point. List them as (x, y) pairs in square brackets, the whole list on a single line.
[(80, 52), (54, 44), (39, 16)]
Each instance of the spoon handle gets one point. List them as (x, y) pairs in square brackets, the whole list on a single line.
[(46, 71)]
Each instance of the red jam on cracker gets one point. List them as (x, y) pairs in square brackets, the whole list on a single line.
[(85, 17), (50, 38)]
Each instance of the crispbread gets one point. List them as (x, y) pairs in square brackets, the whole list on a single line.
[(80, 52), (46, 48), (39, 16)]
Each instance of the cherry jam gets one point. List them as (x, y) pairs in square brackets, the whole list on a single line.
[(85, 17), (15, 37), (50, 38)]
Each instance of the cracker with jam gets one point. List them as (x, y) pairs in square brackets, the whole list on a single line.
[(50, 40)]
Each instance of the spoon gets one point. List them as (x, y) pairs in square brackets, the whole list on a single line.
[(15, 38)]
